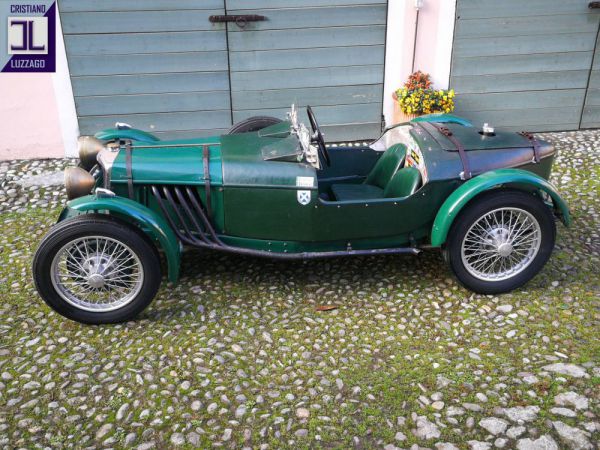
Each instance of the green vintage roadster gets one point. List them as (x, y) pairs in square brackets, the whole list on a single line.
[(272, 188)]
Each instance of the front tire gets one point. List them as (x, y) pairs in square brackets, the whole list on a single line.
[(95, 269), (500, 241)]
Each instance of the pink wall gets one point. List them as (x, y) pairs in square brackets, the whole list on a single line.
[(428, 55), (433, 49), (427, 37), (29, 120)]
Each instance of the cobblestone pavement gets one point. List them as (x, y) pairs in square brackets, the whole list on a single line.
[(237, 354)]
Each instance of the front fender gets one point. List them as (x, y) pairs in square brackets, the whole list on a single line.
[(151, 223), (111, 134), (486, 181)]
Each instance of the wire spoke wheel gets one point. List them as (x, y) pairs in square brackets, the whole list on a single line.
[(97, 273), (501, 244)]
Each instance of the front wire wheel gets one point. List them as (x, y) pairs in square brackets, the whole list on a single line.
[(501, 241), (96, 269), (97, 273)]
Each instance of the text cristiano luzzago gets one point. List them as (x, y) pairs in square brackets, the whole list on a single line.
[(28, 9)]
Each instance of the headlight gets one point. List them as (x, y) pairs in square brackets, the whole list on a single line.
[(78, 182), (88, 147)]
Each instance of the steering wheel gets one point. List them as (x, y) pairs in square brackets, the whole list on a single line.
[(317, 136)]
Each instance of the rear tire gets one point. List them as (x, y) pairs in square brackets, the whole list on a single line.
[(95, 269), (500, 241), (253, 124)]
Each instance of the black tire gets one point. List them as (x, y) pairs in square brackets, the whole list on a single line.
[(104, 226), (475, 210), (253, 124)]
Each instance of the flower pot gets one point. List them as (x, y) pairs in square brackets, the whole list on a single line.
[(400, 116)]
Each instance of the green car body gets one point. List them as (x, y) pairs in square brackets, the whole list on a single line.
[(248, 185), (272, 188)]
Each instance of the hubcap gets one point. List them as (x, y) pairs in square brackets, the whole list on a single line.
[(96, 281), (97, 273), (505, 249), (501, 244)]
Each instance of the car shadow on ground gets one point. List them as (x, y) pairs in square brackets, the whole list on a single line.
[(335, 280), (214, 279)]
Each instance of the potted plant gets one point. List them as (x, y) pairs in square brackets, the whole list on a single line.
[(417, 97)]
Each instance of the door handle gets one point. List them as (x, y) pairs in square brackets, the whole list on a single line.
[(594, 5), (241, 20)]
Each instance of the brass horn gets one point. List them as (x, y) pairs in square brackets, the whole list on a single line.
[(78, 182)]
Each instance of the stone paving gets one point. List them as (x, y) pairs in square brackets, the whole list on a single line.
[(238, 354)]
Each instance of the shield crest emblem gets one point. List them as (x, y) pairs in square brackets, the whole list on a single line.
[(303, 197)]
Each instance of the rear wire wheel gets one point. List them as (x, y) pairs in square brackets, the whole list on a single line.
[(252, 124), (500, 241)]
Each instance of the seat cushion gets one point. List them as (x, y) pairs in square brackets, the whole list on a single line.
[(356, 192), (404, 183), (386, 166)]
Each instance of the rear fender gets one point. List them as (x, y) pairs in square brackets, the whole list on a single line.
[(155, 226), (517, 178)]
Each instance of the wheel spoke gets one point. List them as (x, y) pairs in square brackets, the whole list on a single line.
[(97, 273), (500, 244)]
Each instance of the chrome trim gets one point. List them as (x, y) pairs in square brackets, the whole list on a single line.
[(106, 159), (104, 193)]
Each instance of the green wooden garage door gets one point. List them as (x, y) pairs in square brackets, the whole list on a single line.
[(162, 66), (328, 54), (157, 64), (525, 64)]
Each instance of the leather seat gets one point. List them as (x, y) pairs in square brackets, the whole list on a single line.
[(387, 166), (404, 183), (377, 180)]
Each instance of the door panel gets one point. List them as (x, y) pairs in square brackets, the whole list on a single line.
[(213, 61), (159, 65), (523, 65), (332, 95), (133, 5), (307, 58), (141, 21), (303, 78), (327, 54), (165, 67), (591, 109)]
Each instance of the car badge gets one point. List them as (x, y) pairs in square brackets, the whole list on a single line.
[(304, 197), (305, 181)]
